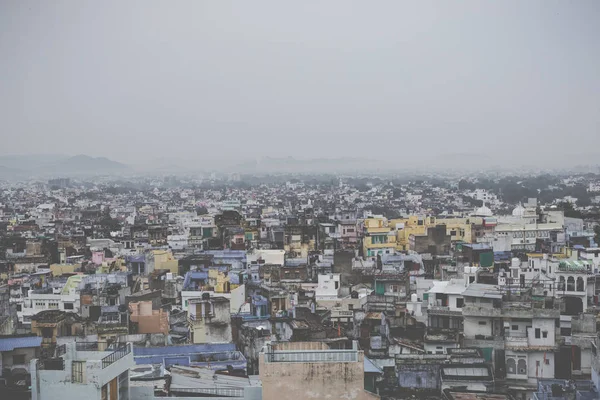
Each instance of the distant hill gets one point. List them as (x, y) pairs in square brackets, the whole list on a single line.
[(85, 164), (53, 165)]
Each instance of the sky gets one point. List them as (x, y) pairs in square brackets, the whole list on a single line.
[(210, 81)]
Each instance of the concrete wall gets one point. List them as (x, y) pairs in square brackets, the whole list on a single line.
[(216, 329), (324, 380), (543, 370), (545, 326), (473, 326)]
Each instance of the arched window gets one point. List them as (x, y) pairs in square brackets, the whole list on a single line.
[(561, 283), (570, 284), (522, 367), (511, 366), (580, 284)]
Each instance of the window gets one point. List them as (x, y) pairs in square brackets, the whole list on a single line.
[(18, 359), (69, 306), (547, 361), (104, 393), (522, 367), (511, 366), (545, 334), (537, 333), (515, 327), (482, 322), (350, 307), (460, 302), (19, 307), (78, 371), (124, 386), (47, 333)]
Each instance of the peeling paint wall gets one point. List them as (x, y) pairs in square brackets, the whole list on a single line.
[(324, 380)]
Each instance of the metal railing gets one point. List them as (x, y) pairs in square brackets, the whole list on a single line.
[(228, 392), (91, 346), (116, 355), (312, 356), (61, 350)]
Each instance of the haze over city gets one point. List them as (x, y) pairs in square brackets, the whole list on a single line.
[(220, 83)]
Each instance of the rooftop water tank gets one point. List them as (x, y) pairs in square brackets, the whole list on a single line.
[(515, 262), (413, 297), (467, 270)]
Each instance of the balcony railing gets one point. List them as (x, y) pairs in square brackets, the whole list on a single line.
[(60, 350), (116, 355), (312, 356), (442, 310), (516, 342), (91, 346)]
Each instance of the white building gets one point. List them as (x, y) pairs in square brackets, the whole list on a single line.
[(34, 303), (328, 287), (84, 371)]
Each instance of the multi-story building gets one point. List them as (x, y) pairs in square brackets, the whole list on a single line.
[(378, 237), (209, 320), (83, 370), (516, 330), (444, 316)]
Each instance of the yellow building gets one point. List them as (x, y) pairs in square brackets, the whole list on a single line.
[(220, 280), (379, 237), (60, 269), (459, 228), (163, 259)]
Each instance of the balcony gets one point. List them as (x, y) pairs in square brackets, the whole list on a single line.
[(516, 343), (307, 356), (511, 310), (479, 311), (443, 310)]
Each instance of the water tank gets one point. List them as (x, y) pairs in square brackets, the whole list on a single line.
[(169, 276), (354, 294), (473, 270), (467, 270), (413, 297), (515, 262), (205, 296)]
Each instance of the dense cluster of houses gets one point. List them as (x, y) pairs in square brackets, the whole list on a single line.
[(292, 291)]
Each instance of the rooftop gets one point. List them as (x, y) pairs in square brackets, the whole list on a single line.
[(9, 343)]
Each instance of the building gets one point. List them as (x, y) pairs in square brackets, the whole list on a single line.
[(81, 370), (301, 370), (378, 237), (16, 352), (209, 320)]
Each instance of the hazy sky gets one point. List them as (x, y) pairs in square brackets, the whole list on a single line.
[(142, 79)]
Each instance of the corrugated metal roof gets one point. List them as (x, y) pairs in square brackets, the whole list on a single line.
[(9, 344)]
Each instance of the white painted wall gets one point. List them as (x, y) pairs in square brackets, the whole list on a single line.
[(477, 326), (328, 286)]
